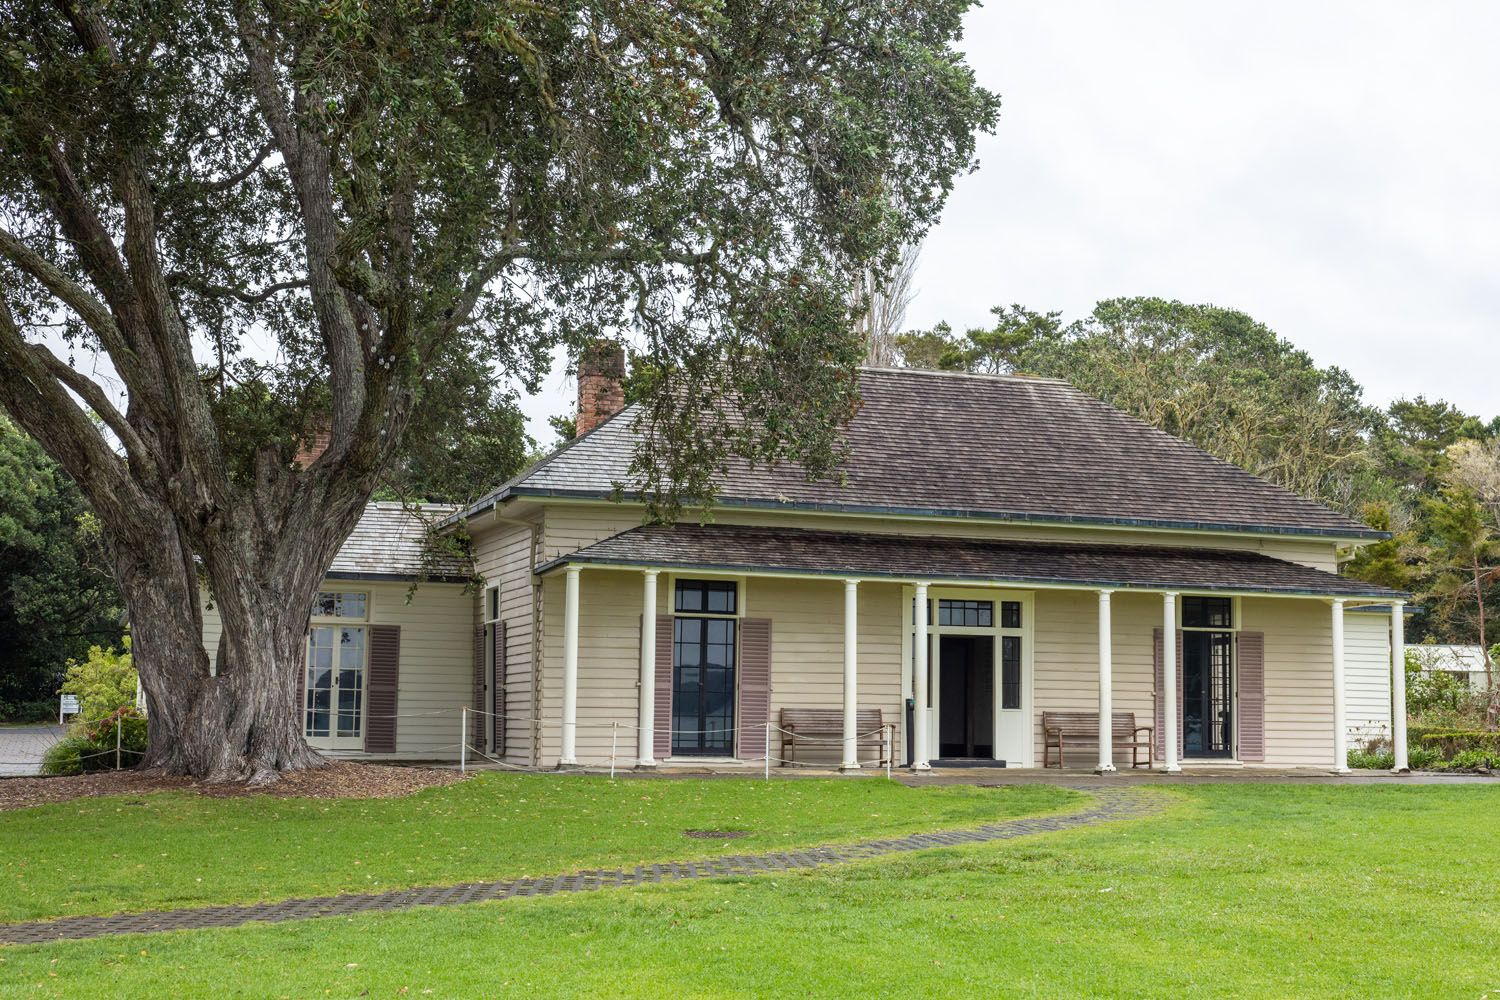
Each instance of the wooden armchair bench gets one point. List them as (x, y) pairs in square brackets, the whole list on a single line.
[(825, 727), (1062, 728)]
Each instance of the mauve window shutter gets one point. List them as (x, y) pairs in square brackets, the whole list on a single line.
[(1252, 701), (498, 707), (663, 742), (1159, 694), (755, 686), (476, 721), (383, 683), (299, 708)]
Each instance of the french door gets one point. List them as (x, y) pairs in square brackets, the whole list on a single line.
[(334, 716), (703, 687), (1207, 694)]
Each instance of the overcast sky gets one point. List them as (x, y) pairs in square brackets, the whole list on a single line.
[(1333, 169)]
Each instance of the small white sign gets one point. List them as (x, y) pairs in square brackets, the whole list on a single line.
[(70, 704)]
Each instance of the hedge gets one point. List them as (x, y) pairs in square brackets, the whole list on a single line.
[(1452, 742)]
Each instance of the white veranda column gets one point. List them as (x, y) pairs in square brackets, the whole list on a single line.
[(1398, 685), (1169, 680), (851, 692), (1340, 724), (647, 721), (919, 682), (570, 672), (1106, 684)]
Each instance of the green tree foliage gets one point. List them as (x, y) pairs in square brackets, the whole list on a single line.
[(56, 594), (275, 215), (104, 681)]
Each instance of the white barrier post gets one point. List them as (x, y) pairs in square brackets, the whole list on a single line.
[(768, 751), (614, 739), (463, 740), (118, 723)]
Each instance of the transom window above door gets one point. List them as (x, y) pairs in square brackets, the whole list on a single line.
[(1207, 612), (706, 597), (968, 614), (342, 604)]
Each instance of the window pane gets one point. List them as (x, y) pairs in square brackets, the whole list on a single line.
[(715, 597), (968, 614), (1010, 614), (1207, 612), (1010, 671), (340, 605)]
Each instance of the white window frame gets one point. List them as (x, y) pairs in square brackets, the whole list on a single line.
[(1027, 632), (741, 587), (335, 621), (491, 620), (1236, 617)]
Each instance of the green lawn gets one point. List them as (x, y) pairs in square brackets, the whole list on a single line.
[(176, 849), (1237, 891)]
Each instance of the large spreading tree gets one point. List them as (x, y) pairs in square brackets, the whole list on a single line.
[(258, 216)]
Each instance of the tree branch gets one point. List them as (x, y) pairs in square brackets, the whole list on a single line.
[(89, 391), (45, 410), (73, 295), (210, 290), (240, 176)]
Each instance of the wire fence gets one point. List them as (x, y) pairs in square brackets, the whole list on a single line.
[(467, 749)]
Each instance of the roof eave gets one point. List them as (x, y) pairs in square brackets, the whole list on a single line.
[(1019, 581), (1006, 517)]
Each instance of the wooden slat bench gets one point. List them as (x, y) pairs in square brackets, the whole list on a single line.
[(1062, 728), (825, 726)]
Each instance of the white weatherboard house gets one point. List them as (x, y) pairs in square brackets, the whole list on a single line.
[(999, 550)]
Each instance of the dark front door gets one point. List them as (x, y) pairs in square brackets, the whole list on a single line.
[(1207, 694), (703, 686), (966, 696)]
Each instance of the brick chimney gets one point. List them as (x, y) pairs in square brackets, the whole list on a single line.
[(601, 385), (314, 441)]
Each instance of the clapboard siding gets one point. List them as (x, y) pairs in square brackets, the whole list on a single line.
[(609, 666), (1298, 679), (1367, 675), (1067, 656), (807, 654)]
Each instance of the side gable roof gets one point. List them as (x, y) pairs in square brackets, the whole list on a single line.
[(992, 447), (389, 543)]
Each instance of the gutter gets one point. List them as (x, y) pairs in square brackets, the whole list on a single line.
[(951, 513)]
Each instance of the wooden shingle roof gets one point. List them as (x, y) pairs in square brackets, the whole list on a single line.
[(993, 447), (907, 557), (389, 542)]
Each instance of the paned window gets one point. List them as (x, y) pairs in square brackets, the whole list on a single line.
[(970, 614)]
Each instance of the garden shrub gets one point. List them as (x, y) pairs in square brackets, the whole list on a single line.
[(90, 746), (1363, 759), (104, 681), (1452, 742), (42, 710), (1472, 760), (1423, 758)]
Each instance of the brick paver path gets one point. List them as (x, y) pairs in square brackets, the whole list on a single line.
[(1109, 802)]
